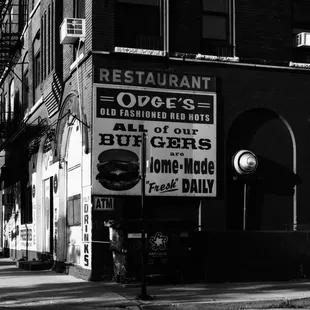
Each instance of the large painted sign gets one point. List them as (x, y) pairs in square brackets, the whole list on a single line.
[(180, 128)]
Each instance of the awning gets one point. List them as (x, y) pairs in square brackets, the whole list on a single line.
[(24, 133), (36, 123)]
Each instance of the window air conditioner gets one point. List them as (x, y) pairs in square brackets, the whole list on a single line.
[(302, 39), (72, 29)]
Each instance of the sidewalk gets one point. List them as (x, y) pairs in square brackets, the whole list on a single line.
[(23, 289)]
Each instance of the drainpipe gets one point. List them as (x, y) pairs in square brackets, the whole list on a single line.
[(233, 11)]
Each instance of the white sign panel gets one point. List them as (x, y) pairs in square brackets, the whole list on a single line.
[(180, 126)]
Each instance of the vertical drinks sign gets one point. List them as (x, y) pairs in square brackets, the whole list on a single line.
[(178, 115)]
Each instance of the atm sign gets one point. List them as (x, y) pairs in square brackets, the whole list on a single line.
[(103, 203)]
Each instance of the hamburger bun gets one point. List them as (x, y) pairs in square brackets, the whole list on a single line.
[(118, 169)]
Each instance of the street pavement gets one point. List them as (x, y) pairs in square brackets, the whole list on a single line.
[(24, 289)]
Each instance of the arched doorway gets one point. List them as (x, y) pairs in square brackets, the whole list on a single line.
[(46, 213), (74, 189), (271, 203)]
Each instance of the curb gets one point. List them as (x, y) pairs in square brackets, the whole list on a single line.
[(231, 305), (301, 302)]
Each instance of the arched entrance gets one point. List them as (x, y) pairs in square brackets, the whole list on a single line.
[(46, 213), (271, 203), (74, 189)]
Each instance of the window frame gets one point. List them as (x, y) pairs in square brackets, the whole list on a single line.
[(37, 60), (2, 107), (37, 69), (11, 18), (24, 14), (6, 107), (43, 46), (223, 47), (74, 203), (79, 8), (52, 36), (48, 63), (25, 90), (158, 42)]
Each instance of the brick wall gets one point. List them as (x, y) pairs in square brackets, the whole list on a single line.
[(56, 52), (241, 88), (67, 49), (89, 25), (103, 25), (263, 29), (283, 92)]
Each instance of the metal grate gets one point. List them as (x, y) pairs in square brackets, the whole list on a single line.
[(10, 32)]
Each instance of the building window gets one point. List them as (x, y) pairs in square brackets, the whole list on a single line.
[(26, 205), (74, 210), (12, 20), (12, 99), (2, 116), (1, 108), (216, 28), (37, 69), (49, 40), (78, 12), (52, 36), (6, 109), (25, 84), (300, 23), (37, 78), (43, 47), (23, 13), (25, 88), (79, 8), (145, 32)]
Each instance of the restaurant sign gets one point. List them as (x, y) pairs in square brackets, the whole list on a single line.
[(179, 122)]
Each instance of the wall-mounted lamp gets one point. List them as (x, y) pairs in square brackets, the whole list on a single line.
[(72, 118), (245, 162)]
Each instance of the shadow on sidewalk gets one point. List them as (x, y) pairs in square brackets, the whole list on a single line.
[(89, 294), (50, 290), (59, 294)]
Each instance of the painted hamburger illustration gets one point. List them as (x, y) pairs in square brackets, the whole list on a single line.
[(118, 169)]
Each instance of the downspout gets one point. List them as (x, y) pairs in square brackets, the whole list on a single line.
[(166, 27), (233, 16)]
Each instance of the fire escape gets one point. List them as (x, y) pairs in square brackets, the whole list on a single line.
[(10, 34), (13, 18)]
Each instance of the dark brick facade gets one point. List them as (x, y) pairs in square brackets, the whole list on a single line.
[(264, 30), (262, 105)]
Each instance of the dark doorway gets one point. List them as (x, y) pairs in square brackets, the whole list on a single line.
[(270, 203)]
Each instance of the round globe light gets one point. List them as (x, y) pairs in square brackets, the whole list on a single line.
[(245, 162)]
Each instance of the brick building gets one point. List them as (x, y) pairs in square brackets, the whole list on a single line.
[(91, 90)]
